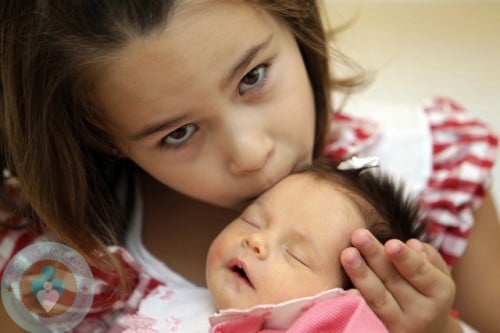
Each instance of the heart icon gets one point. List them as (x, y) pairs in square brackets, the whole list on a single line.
[(47, 299), (47, 289)]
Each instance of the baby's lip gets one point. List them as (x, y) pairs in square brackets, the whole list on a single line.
[(239, 268)]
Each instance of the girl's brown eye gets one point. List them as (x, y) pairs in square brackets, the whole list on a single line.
[(180, 135), (253, 79)]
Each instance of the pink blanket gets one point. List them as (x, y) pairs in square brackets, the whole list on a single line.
[(333, 311)]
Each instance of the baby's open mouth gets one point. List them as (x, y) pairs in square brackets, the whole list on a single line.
[(240, 271)]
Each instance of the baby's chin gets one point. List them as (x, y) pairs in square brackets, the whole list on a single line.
[(224, 304), (231, 301), (232, 305)]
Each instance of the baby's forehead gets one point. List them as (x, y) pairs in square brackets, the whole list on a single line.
[(310, 180), (310, 194), (302, 187)]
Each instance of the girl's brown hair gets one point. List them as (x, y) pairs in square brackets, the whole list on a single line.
[(52, 136)]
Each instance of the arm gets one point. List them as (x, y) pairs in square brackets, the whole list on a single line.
[(477, 273)]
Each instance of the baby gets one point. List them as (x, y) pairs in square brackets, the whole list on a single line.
[(284, 250)]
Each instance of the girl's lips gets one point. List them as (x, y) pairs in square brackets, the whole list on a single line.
[(239, 269), (265, 181), (271, 177)]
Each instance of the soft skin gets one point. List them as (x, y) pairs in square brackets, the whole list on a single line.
[(283, 245), (220, 129)]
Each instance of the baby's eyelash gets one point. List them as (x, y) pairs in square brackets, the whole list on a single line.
[(297, 258), (250, 222)]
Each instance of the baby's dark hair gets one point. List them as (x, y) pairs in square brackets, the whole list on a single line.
[(386, 208)]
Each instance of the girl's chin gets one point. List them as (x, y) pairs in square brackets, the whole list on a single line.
[(240, 206), (235, 206)]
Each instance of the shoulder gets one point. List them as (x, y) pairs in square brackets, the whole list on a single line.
[(397, 133)]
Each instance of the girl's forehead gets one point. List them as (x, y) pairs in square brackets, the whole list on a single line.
[(213, 25), (213, 11), (199, 47), (206, 27)]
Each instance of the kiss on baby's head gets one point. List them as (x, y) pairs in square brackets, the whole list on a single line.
[(287, 243)]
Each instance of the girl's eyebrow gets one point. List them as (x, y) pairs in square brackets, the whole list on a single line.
[(245, 60), (153, 128)]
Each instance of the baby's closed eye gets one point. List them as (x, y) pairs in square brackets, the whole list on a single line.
[(298, 256)]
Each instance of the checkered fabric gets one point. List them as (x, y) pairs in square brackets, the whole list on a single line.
[(464, 151), (463, 155)]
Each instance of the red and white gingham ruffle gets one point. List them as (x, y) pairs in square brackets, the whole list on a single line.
[(463, 155), (464, 151)]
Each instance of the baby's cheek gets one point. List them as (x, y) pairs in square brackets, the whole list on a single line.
[(216, 252)]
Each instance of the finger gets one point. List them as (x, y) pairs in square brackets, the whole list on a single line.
[(374, 254), (370, 286), (401, 290), (352, 292), (418, 270), (430, 252), (372, 251)]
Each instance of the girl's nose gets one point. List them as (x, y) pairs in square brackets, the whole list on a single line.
[(250, 150), (256, 243)]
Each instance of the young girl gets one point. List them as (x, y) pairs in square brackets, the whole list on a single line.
[(151, 124)]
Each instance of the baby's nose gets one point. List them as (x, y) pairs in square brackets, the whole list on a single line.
[(257, 244)]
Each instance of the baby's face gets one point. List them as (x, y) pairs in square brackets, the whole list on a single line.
[(285, 245)]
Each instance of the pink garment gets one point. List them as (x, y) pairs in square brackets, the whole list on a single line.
[(341, 314)]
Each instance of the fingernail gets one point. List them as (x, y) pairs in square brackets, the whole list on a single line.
[(416, 245), (394, 247), (363, 240), (353, 260)]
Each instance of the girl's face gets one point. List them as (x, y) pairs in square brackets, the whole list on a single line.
[(217, 106), (285, 245)]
